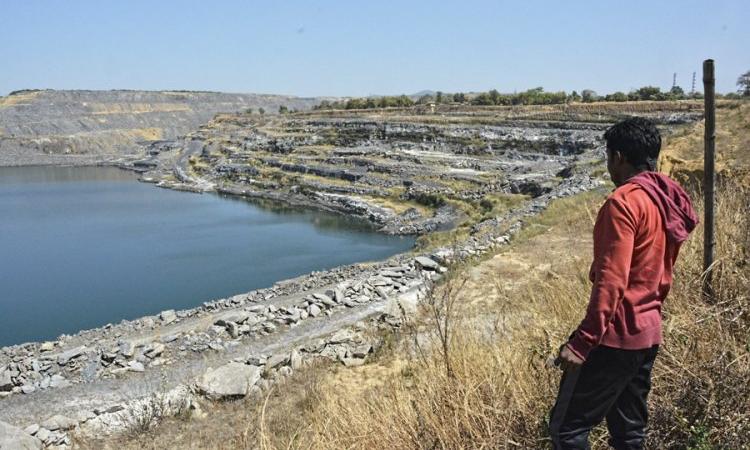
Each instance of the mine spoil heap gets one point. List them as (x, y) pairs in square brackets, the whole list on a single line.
[(102, 127), (408, 171)]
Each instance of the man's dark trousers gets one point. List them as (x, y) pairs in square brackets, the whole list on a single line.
[(611, 383)]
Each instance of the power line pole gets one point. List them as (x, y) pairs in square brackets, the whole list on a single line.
[(674, 80), (709, 140), (692, 90)]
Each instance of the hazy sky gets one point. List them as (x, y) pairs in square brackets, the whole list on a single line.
[(369, 47)]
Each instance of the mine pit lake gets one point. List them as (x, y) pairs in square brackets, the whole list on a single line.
[(81, 247)]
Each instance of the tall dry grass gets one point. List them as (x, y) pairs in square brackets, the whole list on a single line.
[(488, 385)]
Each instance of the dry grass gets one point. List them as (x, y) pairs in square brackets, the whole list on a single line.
[(491, 387), (683, 153)]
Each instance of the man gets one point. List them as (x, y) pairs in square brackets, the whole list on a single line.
[(638, 232)]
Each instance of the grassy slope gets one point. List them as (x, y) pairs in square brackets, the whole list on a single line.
[(493, 388)]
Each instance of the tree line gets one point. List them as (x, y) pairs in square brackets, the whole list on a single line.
[(535, 96)]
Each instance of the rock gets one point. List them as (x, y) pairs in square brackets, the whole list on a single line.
[(338, 296), (285, 371), (108, 357), (6, 383), (47, 346), (169, 338), (341, 337), (353, 362), (109, 410), (153, 350), (59, 422), (31, 429), (58, 381), (66, 356), (28, 388), (14, 438), (42, 434), (313, 310), (391, 274), (135, 366), (276, 360), (361, 351), (229, 381), (237, 317), (84, 415), (233, 329), (295, 360), (426, 263), (168, 316), (127, 349)]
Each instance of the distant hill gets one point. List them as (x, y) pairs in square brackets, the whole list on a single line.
[(50, 126)]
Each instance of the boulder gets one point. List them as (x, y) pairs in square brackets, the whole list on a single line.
[(59, 422), (154, 350), (135, 366), (14, 438), (277, 360), (42, 434), (6, 383), (58, 381), (352, 362), (66, 356), (127, 349), (47, 346), (341, 336), (237, 317), (229, 381), (426, 263), (313, 310), (295, 360), (168, 316)]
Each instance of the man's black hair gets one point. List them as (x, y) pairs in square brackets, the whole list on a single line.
[(637, 139)]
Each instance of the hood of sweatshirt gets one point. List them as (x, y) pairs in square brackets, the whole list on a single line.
[(673, 202)]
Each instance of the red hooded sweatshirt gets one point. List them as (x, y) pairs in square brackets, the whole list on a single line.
[(637, 236)]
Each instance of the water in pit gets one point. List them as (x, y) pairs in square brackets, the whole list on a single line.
[(82, 247)]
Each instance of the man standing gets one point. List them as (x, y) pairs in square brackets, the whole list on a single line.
[(607, 361)]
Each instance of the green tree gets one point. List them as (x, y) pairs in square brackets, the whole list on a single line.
[(676, 93), (261, 111), (459, 97), (574, 97), (494, 97), (589, 96), (648, 93), (482, 99), (249, 111), (283, 109), (438, 97), (743, 84), (616, 97), (404, 101)]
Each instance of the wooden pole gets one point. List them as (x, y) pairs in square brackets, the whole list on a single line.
[(709, 139)]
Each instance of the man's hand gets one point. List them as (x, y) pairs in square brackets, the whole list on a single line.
[(568, 360)]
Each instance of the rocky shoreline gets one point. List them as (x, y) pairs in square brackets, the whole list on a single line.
[(269, 333)]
